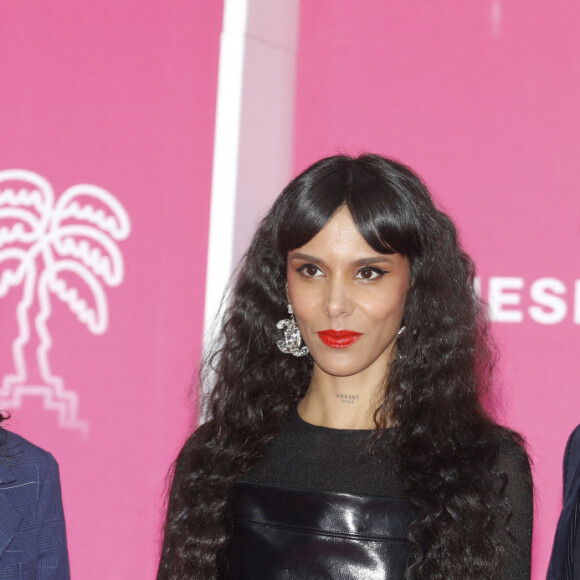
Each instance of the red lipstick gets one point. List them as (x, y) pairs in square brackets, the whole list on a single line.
[(339, 338)]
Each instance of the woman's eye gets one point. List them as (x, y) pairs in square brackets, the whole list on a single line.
[(370, 273), (310, 270)]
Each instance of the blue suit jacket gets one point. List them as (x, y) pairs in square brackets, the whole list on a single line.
[(32, 532), (565, 542)]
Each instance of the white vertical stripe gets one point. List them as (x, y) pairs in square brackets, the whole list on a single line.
[(496, 17), (252, 161), (577, 302), (225, 158)]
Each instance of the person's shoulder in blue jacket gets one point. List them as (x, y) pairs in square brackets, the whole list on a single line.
[(565, 560), (32, 531)]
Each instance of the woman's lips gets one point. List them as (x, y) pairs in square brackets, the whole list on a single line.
[(338, 338)]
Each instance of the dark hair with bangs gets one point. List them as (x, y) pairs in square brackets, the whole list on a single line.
[(445, 443), (386, 207)]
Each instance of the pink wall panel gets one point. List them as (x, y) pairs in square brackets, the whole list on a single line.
[(482, 99), (120, 95)]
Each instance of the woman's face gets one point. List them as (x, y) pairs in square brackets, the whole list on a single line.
[(348, 299)]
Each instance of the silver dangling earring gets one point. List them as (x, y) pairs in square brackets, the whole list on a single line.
[(290, 344), (401, 330)]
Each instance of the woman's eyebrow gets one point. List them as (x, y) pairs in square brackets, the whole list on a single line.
[(374, 260), (301, 256), (378, 259)]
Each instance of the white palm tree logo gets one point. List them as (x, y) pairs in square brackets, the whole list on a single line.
[(65, 247)]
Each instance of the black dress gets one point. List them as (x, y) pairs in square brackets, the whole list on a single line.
[(321, 506)]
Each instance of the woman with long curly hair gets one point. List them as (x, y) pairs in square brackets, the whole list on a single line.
[(365, 453)]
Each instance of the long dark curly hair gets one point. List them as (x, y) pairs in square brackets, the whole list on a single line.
[(445, 442)]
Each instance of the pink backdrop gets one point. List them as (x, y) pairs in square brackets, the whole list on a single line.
[(120, 95), (482, 99)]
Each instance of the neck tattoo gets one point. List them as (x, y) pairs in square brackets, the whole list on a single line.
[(346, 399)]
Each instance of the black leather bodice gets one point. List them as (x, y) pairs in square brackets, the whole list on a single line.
[(291, 534)]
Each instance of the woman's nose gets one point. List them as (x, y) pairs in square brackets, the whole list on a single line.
[(338, 299)]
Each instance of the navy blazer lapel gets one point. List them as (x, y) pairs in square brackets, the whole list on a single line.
[(10, 517), (572, 463), (571, 497), (568, 522), (562, 560)]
